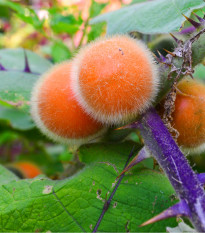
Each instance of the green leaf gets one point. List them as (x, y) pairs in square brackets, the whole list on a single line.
[(96, 8), (4, 12), (7, 136), (16, 118), (103, 152), (24, 13), (74, 205), (16, 85), (68, 24), (109, 153), (199, 72), (159, 16), (95, 31), (60, 52), (6, 176), (14, 59)]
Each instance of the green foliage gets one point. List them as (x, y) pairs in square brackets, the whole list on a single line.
[(28, 15), (6, 176), (14, 60), (74, 205), (159, 16), (96, 30), (60, 52), (16, 85), (200, 72), (68, 24), (16, 118)]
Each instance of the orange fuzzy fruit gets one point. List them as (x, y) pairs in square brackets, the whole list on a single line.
[(29, 170), (115, 79), (56, 111), (189, 115)]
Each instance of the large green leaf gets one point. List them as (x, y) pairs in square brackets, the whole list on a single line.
[(16, 118), (16, 85), (61, 24), (6, 176), (159, 16), (14, 59), (75, 204)]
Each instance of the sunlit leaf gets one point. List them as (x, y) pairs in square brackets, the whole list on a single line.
[(75, 204), (150, 17)]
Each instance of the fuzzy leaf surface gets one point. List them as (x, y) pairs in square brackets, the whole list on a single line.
[(150, 17)]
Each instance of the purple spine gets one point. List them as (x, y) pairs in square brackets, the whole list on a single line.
[(185, 182)]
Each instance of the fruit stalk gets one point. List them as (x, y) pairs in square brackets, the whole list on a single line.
[(165, 150)]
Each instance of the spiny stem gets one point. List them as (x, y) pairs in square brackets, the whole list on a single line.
[(165, 150), (107, 203)]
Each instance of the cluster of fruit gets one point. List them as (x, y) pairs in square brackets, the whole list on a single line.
[(110, 82)]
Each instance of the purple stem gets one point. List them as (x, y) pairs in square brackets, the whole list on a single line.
[(201, 178), (165, 150), (187, 30)]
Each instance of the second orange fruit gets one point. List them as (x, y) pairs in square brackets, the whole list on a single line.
[(189, 114)]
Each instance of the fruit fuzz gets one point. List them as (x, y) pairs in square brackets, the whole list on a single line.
[(189, 115), (56, 111), (115, 79)]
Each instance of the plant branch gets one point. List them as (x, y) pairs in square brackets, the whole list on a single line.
[(107, 202), (165, 150)]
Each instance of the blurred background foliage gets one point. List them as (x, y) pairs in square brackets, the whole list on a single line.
[(56, 29)]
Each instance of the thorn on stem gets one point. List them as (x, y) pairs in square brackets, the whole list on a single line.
[(198, 17), (180, 209), (27, 67), (173, 55), (162, 58), (142, 155), (157, 58), (174, 37), (194, 23), (2, 68), (133, 125)]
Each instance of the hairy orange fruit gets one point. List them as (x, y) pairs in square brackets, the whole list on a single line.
[(29, 170), (56, 111), (189, 114), (115, 79)]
